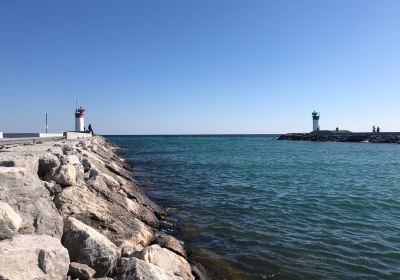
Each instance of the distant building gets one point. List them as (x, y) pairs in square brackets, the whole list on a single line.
[(315, 117), (80, 119)]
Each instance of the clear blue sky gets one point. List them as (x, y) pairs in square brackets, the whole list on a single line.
[(191, 66)]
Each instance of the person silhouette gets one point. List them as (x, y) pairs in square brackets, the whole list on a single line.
[(90, 129)]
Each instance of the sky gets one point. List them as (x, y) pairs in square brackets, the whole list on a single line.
[(199, 67)]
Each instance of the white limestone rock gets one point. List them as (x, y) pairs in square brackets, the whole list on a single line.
[(65, 175), (10, 221), (105, 211), (26, 194), (135, 269), (87, 246), (33, 257), (166, 260)]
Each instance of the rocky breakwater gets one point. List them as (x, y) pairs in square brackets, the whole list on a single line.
[(72, 210), (393, 138)]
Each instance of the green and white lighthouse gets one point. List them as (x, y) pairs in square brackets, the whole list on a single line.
[(315, 117)]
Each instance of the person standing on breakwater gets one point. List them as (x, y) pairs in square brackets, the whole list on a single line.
[(90, 129), (378, 129), (373, 129)]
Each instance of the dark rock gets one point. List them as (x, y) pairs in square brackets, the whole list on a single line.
[(67, 149), (53, 188), (47, 164), (199, 272), (171, 243), (81, 271)]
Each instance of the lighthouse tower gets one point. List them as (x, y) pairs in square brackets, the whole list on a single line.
[(315, 117), (80, 119)]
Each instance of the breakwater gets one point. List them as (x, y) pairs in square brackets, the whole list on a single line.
[(72, 209), (384, 137)]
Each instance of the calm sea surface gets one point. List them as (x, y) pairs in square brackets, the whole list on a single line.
[(251, 207)]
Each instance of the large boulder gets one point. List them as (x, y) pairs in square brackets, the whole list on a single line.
[(119, 170), (135, 269), (87, 246), (105, 211), (111, 183), (10, 221), (171, 243), (68, 149), (33, 257), (26, 194), (74, 160), (48, 163), (142, 212), (65, 175), (133, 191), (166, 260), (99, 165)]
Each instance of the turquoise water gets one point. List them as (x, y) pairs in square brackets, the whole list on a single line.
[(251, 207)]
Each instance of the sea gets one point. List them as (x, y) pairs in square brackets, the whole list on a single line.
[(253, 207)]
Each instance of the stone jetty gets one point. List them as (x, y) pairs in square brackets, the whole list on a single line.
[(73, 210), (382, 137)]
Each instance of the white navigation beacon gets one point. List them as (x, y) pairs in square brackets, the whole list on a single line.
[(315, 117), (80, 119)]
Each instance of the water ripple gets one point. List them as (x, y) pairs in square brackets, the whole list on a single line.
[(255, 208)]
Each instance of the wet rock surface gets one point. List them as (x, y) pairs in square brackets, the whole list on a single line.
[(73, 210), (171, 243)]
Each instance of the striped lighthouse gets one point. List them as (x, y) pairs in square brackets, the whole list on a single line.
[(315, 117), (80, 119)]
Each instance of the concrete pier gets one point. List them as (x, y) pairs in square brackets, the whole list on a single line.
[(71, 135), (30, 135)]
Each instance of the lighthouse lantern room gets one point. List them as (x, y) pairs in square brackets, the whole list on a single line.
[(80, 119), (315, 117)]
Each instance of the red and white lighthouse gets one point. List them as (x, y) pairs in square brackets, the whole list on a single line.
[(80, 119)]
